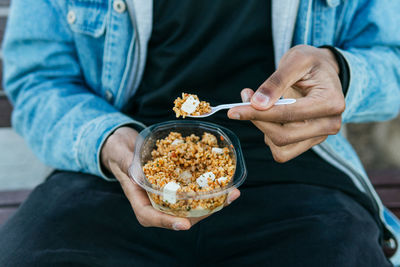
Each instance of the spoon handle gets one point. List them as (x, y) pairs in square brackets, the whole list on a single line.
[(283, 101), (228, 106)]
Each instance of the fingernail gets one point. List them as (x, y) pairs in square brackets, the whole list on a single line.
[(245, 97), (177, 226), (261, 99), (235, 116)]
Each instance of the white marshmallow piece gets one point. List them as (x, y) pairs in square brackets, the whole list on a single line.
[(203, 179), (190, 105), (177, 141), (169, 192), (221, 180), (217, 150)]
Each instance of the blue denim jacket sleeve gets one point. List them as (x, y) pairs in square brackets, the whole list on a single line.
[(63, 121), (370, 42)]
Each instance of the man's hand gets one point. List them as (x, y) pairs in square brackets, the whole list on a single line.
[(311, 75), (117, 156)]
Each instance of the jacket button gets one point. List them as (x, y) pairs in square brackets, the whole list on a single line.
[(71, 17), (119, 6), (109, 95), (391, 243)]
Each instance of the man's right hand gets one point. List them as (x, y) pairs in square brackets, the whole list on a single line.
[(117, 156)]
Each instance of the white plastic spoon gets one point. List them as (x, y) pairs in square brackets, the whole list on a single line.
[(284, 101)]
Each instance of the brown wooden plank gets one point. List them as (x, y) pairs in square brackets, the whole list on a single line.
[(390, 196), (385, 178), (13, 198), (3, 21), (6, 213), (396, 211), (1, 75), (5, 112)]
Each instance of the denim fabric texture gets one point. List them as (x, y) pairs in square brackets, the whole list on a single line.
[(71, 66)]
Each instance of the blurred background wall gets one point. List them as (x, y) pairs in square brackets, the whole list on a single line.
[(377, 144)]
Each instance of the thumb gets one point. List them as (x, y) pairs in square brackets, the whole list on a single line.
[(292, 68), (269, 92)]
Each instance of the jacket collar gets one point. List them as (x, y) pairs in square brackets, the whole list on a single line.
[(284, 14)]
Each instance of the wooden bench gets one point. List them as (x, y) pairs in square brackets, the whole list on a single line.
[(386, 182), (10, 201), (387, 185), (5, 107)]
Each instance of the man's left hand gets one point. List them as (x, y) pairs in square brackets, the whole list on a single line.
[(311, 75)]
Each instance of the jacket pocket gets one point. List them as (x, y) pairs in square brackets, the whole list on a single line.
[(88, 16)]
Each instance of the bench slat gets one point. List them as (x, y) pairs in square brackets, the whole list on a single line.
[(396, 211), (384, 178), (13, 198), (390, 196), (5, 112), (6, 213)]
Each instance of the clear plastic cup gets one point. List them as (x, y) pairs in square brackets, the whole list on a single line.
[(188, 204)]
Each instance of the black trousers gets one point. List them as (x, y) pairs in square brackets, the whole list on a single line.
[(75, 219)]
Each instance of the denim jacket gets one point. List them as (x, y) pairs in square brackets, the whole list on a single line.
[(71, 65)]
